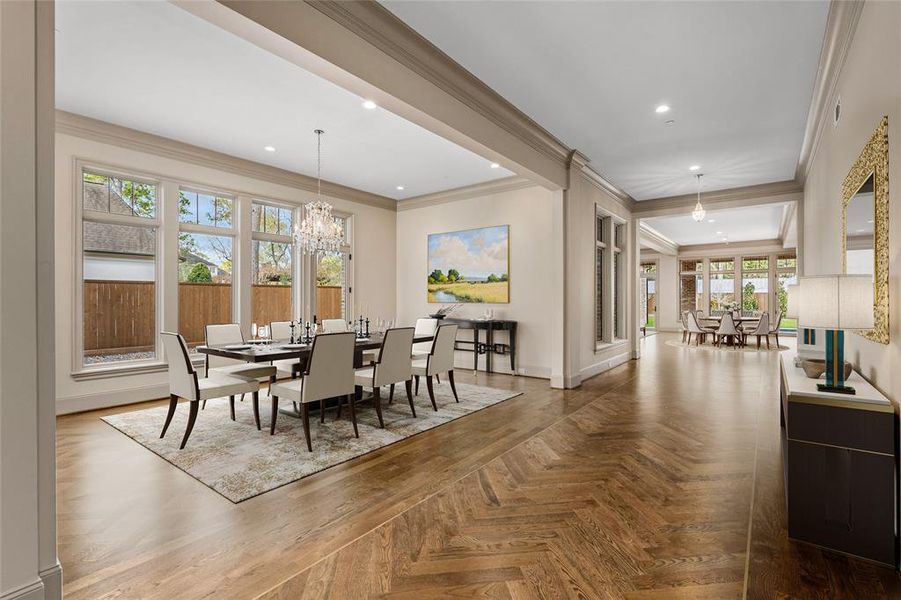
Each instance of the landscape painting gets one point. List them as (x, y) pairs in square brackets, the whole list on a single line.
[(470, 266)]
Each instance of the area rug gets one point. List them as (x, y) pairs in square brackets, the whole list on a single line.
[(239, 462), (751, 347)]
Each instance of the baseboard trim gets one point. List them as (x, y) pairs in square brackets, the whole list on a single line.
[(108, 399), (31, 591), (53, 582), (604, 365)]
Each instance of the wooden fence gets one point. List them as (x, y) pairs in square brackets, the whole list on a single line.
[(119, 315)]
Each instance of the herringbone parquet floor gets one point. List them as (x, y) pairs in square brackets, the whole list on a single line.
[(651, 481)]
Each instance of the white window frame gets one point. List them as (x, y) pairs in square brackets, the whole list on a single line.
[(81, 166), (309, 266), (612, 292), (296, 266)]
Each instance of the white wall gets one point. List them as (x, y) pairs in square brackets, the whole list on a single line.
[(528, 213), (374, 257), (667, 290), (870, 87)]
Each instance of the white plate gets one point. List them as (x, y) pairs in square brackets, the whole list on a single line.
[(293, 346), (237, 347)]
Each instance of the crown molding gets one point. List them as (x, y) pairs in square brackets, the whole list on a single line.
[(752, 195), (731, 249), (841, 23), (788, 214), (381, 28), (101, 131), (497, 186), (654, 240), (578, 163)]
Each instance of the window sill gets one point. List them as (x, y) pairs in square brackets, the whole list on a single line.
[(125, 370), (604, 346)]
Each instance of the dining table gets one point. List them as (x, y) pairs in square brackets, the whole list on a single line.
[(267, 351)]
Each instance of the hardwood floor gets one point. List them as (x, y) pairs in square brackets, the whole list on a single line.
[(639, 484)]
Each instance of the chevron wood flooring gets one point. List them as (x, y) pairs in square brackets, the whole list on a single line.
[(659, 479)]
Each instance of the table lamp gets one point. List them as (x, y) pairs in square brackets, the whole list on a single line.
[(836, 303)]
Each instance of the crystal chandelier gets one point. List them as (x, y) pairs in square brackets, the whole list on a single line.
[(319, 232), (699, 213)]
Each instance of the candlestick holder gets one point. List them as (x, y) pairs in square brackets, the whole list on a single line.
[(293, 324), (367, 327)]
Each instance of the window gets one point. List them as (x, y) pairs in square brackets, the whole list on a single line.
[(648, 294), (786, 274), (618, 287), (722, 284), (602, 234), (755, 279), (691, 285), (119, 242), (206, 259), (332, 287), (272, 264)]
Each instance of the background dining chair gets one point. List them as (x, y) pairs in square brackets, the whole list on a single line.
[(727, 328), (439, 360), (333, 326), (694, 327), (774, 330), (230, 333), (761, 330), (424, 327), (280, 331), (329, 374), (391, 367), (184, 383), (684, 321)]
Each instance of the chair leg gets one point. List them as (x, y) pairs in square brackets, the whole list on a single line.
[(391, 394), (409, 385), (305, 417), (256, 409), (173, 402), (417, 384), (204, 405), (322, 410), (767, 342), (274, 415), (377, 403), (777, 339), (450, 378), (242, 396), (758, 342), (437, 380), (231, 405), (428, 384), (353, 414), (192, 416), (340, 404)]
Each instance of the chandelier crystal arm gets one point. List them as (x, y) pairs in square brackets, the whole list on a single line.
[(319, 232), (699, 213)]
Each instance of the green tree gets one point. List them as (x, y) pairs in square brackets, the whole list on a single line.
[(749, 298), (330, 270), (492, 278), (437, 276), (782, 298), (504, 277), (453, 275), (200, 273)]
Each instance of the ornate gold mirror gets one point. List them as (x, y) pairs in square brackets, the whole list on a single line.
[(865, 225)]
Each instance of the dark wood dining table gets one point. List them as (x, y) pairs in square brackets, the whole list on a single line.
[(264, 351)]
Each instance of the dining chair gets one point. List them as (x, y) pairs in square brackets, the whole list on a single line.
[(184, 383), (424, 327), (333, 326), (391, 367), (230, 333), (329, 374), (774, 330), (684, 320), (694, 327), (439, 360), (761, 330), (727, 328), (280, 331)]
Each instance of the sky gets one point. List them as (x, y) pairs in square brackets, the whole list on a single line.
[(475, 253)]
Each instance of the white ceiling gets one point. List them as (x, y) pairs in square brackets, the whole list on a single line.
[(154, 67), (747, 224), (738, 76)]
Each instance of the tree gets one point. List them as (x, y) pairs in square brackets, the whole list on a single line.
[(782, 298), (453, 275), (330, 270), (749, 297), (504, 277), (492, 278), (437, 276), (200, 273)]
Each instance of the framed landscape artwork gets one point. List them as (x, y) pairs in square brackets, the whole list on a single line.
[(470, 266)]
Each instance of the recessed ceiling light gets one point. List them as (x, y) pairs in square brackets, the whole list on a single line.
[(369, 105), (861, 230), (269, 148), (694, 167), (711, 220), (661, 109), (870, 221), (719, 233), (400, 187), (495, 166), (725, 239)]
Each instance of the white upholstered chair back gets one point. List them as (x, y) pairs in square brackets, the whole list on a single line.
[(693, 325), (182, 378), (330, 371), (394, 357), (763, 326), (227, 333), (425, 327), (727, 325), (333, 326), (777, 323), (684, 319), (442, 357), (281, 330)]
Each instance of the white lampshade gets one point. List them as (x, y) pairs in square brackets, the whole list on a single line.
[(840, 302), (794, 300)]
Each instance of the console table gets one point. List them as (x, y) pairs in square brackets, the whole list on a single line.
[(489, 347), (840, 463)]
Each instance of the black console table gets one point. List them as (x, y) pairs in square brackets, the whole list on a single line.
[(489, 347)]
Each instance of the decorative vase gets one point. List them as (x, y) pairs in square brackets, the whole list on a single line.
[(815, 367)]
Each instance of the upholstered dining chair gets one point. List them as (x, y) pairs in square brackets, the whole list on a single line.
[(391, 367), (694, 327), (761, 330), (184, 383), (329, 374), (777, 324), (727, 328), (280, 331), (684, 321), (439, 360), (424, 327), (333, 326), (230, 333)]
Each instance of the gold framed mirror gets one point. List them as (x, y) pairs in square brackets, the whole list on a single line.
[(865, 225)]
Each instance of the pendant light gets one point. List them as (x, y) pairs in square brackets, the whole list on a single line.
[(319, 232), (699, 213)]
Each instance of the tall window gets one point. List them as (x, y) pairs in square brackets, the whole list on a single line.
[(272, 263), (206, 258), (119, 274), (602, 247), (648, 294), (619, 233), (332, 286), (722, 284), (755, 279), (691, 285), (786, 274)]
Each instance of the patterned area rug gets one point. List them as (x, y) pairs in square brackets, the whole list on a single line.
[(239, 462)]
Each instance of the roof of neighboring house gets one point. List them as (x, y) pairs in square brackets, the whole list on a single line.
[(110, 238)]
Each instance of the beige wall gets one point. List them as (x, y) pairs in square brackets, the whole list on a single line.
[(869, 86), (528, 213), (374, 257), (667, 290)]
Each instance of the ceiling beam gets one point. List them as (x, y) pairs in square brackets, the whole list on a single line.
[(752, 195), (654, 240)]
